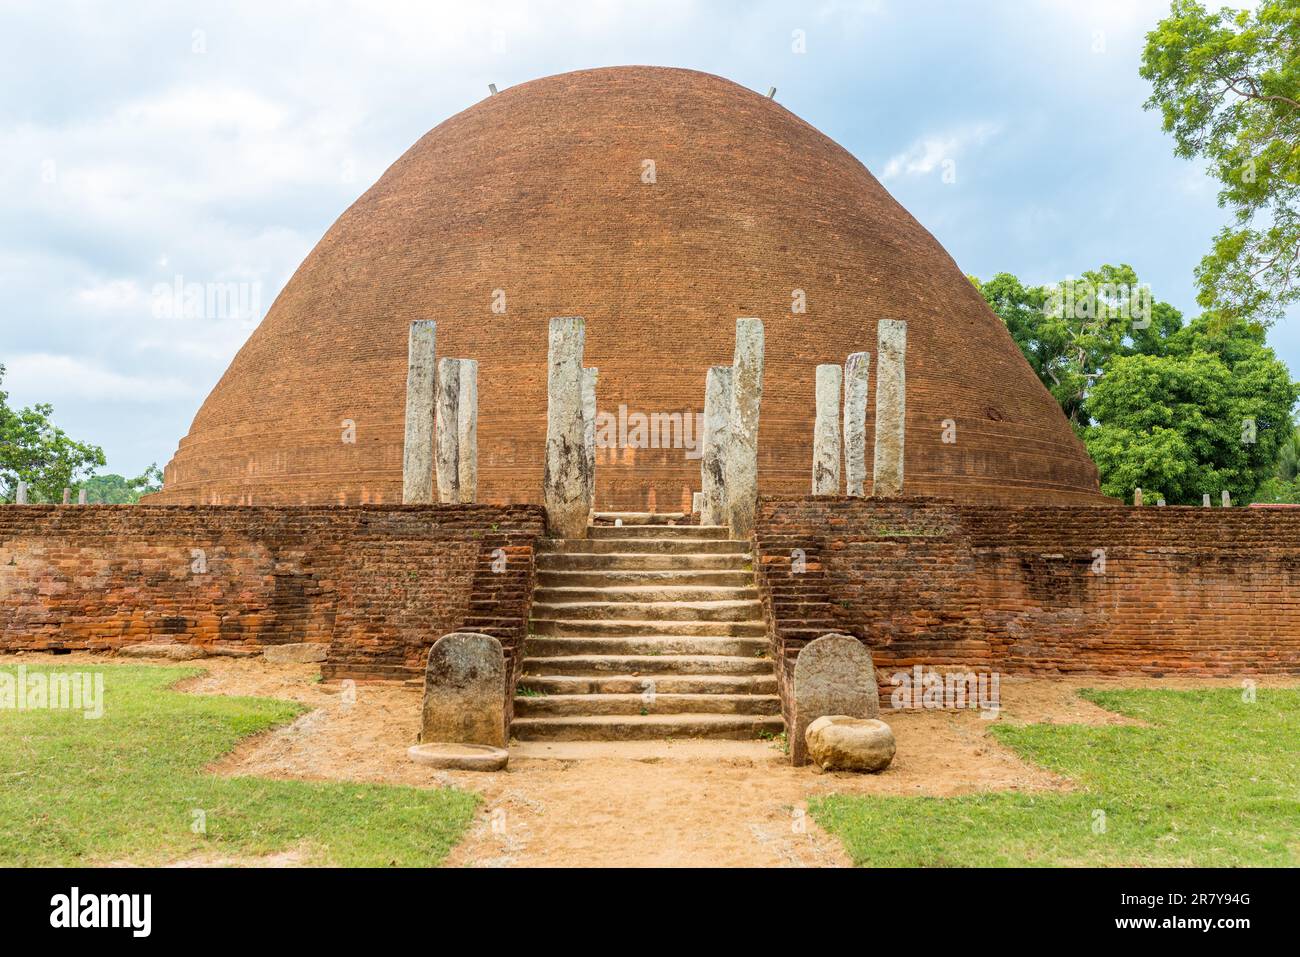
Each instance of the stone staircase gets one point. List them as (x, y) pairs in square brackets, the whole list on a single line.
[(646, 630)]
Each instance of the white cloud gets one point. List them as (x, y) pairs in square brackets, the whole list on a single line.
[(928, 153), (64, 377)]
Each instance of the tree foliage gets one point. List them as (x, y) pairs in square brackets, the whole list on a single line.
[(1178, 410), (114, 489), (34, 450), (1227, 86)]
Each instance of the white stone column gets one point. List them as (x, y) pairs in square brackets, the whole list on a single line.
[(891, 407), (20, 496), (81, 496), (447, 436), (467, 432), (565, 480), (713, 445), (742, 444), (857, 375), (826, 431), (589, 379), (417, 451)]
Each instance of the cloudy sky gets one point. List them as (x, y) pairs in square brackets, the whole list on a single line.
[(144, 145)]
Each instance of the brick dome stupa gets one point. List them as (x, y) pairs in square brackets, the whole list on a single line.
[(537, 200)]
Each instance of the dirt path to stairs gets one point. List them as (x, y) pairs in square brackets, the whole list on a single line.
[(709, 803)]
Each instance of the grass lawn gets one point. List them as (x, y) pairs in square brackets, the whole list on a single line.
[(126, 787), (1212, 781)]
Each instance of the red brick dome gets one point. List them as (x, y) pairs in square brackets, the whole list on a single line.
[(539, 194)]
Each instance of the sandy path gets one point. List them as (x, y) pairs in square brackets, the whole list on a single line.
[(702, 803)]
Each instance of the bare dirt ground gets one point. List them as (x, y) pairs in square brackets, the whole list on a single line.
[(655, 804)]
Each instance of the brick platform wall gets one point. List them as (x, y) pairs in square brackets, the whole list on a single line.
[(1023, 589), (379, 584)]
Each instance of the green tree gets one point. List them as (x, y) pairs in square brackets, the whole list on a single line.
[(1069, 332), (1176, 410), (36, 451), (118, 490), (1192, 421), (1227, 86)]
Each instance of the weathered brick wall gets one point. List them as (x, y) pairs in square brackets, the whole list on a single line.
[(377, 583), (1024, 589)]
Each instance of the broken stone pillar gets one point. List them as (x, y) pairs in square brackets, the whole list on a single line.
[(67, 496), (833, 674), (589, 377), (447, 433), (467, 431), (891, 408), (1227, 499), (81, 496), (742, 443), (566, 478), (1205, 500), (826, 432), (20, 496), (417, 451), (857, 374), (1137, 496), (465, 691), (713, 445)]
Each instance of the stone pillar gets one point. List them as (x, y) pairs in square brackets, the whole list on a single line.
[(67, 496), (1227, 499), (826, 432), (713, 445), (20, 496), (417, 452), (1205, 500), (448, 430), (81, 496), (565, 480), (589, 377), (467, 431), (857, 375), (1137, 496), (891, 408), (742, 444)]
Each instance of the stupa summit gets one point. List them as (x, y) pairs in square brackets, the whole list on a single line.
[(660, 205)]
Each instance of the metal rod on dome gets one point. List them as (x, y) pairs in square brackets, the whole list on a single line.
[(891, 407), (417, 449)]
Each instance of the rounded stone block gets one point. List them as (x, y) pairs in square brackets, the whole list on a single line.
[(842, 743), (833, 674), (459, 757), (464, 691)]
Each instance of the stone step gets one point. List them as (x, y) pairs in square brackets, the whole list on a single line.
[(641, 546), (712, 532), (666, 592), (632, 578), (582, 705), (641, 518), (633, 561), (574, 666), (560, 646), (665, 610), (577, 627), (646, 727), (661, 684)]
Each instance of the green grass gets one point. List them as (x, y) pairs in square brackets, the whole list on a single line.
[(125, 787), (1210, 780)]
